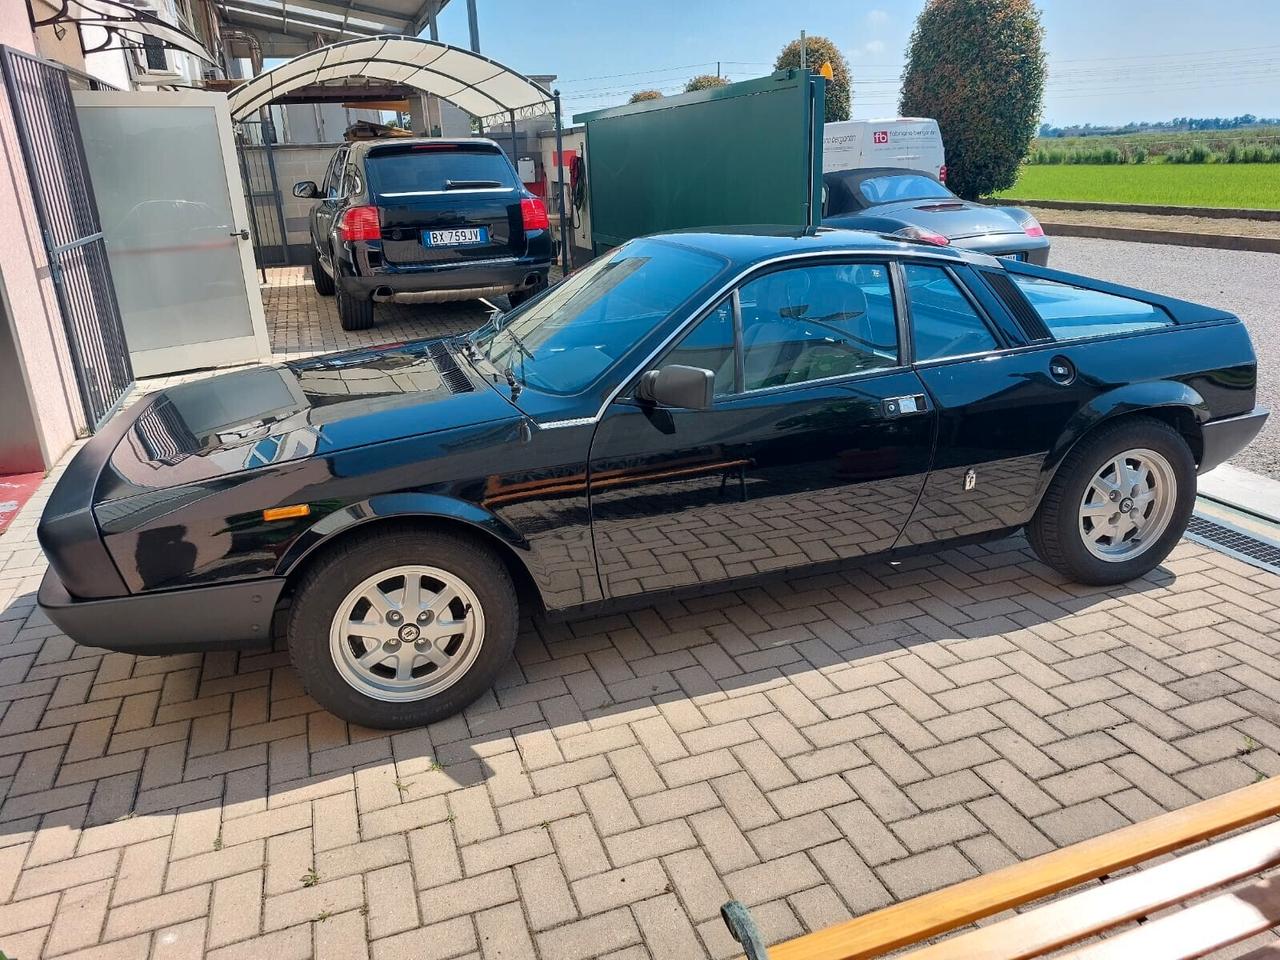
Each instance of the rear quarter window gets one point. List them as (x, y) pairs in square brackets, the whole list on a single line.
[(430, 169), (1071, 312)]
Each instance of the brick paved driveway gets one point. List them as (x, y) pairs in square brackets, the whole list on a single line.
[(816, 748)]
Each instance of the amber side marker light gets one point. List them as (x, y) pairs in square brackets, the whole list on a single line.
[(286, 513)]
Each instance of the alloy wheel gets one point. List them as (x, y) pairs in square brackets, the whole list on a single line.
[(1127, 505), (406, 633)]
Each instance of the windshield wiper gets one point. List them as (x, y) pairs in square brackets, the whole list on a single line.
[(471, 184)]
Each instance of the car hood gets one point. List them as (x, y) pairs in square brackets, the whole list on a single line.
[(954, 219), (254, 418)]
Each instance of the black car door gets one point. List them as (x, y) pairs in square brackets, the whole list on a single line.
[(815, 448), (330, 205)]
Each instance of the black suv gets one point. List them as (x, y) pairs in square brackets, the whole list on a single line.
[(424, 221)]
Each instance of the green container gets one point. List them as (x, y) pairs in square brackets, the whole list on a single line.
[(746, 153)]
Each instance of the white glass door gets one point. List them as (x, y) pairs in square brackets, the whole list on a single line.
[(173, 214)]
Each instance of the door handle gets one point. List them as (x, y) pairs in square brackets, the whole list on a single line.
[(242, 234), (904, 406)]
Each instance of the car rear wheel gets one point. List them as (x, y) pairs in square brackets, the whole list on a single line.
[(354, 312), (403, 629), (517, 297), (320, 278), (1118, 504)]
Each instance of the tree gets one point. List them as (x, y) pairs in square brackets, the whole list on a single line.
[(640, 96), (820, 50), (977, 67), (705, 81)]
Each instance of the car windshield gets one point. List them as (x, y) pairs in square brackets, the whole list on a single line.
[(902, 186), (564, 340), (432, 168)]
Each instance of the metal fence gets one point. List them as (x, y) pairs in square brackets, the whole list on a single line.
[(255, 140), (49, 134)]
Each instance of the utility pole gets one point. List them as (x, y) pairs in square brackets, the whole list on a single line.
[(717, 68), (804, 52), (474, 24)]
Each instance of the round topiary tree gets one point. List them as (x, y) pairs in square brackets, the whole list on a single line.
[(705, 81), (820, 50), (977, 67), (640, 96)]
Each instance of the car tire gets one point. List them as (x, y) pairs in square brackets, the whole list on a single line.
[(354, 312), (455, 668), (517, 297), (1080, 528), (320, 278)]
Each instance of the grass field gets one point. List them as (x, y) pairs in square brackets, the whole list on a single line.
[(1191, 185)]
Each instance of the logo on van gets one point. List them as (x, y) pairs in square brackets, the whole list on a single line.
[(880, 136)]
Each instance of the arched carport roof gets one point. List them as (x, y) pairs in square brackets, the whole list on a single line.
[(482, 87)]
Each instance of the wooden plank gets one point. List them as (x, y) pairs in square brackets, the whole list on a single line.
[(1195, 931), (1063, 922), (955, 906)]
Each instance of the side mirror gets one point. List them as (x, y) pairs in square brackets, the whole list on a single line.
[(690, 388), (306, 190)]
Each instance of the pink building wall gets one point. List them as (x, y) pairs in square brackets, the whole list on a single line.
[(24, 269)]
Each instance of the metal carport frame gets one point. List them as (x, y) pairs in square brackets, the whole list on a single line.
[(484, 88)]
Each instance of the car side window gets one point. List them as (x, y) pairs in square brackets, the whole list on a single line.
[(943, 321), (810, 323), (709, 345), (333, 178), (1069, 311)]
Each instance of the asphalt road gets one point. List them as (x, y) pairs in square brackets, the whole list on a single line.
[(1247, 284)]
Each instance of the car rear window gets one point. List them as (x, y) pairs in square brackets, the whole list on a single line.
[(909, 186), (1071, 312), (428, 168)]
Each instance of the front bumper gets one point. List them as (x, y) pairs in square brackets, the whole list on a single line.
[(1224, 438), (220, 617)]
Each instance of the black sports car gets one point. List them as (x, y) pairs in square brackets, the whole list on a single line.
[(688, 411), (911, 204)]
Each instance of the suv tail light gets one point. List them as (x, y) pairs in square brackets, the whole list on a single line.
[(360, 223), (942, 173), (923, 235), (534, 213)]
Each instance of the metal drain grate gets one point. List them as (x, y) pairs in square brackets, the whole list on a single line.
[(1240, 544)]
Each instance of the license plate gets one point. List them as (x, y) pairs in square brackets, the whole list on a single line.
[(1012, 256), (455, 237)]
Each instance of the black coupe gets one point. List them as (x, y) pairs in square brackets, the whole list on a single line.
[(688, 411)]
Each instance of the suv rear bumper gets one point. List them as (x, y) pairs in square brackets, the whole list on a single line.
[(1224, 438), (453, 281), (225, 616)]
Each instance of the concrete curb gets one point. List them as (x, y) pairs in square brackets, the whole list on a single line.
[(1213, 213), (1181, 238), (1242, 490)]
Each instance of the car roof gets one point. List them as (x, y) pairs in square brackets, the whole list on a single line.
[(363, 146), (746, 245)]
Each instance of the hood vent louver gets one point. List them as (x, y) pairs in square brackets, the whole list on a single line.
[(454, 377)]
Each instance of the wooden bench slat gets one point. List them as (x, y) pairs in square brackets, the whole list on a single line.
[(933, 913), (1074, 918), (1197, 930)]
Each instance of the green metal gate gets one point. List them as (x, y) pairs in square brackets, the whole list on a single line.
[(746, 153)]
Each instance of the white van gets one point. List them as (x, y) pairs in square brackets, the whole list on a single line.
[(911, 142)]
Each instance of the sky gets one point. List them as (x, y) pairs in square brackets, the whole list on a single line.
[(1110, 61)]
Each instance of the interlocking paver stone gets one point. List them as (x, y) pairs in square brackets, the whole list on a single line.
[(819, 746)]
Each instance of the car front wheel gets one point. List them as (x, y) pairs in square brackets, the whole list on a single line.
[(1118, 504), (320, 278), (402, 629)]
